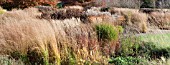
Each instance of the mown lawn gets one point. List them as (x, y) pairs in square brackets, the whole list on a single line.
[(161, 40)]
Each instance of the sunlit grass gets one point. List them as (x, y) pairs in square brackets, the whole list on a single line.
[(161, 40), (2, 10)]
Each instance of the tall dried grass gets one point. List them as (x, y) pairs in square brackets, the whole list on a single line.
[(140, 20), (78, 42), (136, 21), (67, 41), (160, 20), (21, 32)]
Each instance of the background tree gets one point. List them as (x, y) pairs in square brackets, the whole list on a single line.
[(148, 4)]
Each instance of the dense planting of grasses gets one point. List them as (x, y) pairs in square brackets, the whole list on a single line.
[(26, 38), (67, 42)]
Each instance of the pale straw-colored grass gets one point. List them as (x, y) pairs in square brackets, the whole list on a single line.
[(20, 31), (57, 40)]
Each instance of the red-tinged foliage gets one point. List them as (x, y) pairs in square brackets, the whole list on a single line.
[(9, 4), (77, 2)]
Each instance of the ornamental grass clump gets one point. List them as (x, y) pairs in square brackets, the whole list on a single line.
[(107, 32)]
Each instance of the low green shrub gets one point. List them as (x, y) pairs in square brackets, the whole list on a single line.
[(120, 28), (32, 57), (136, 48), (107, 32), (155, 51), (108, 36), (19, 56), (5, 60), (127, 61), (130, 47), (38, 57), (70, 58)]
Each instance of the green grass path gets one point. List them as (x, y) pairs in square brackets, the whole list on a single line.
[(159, 39)]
